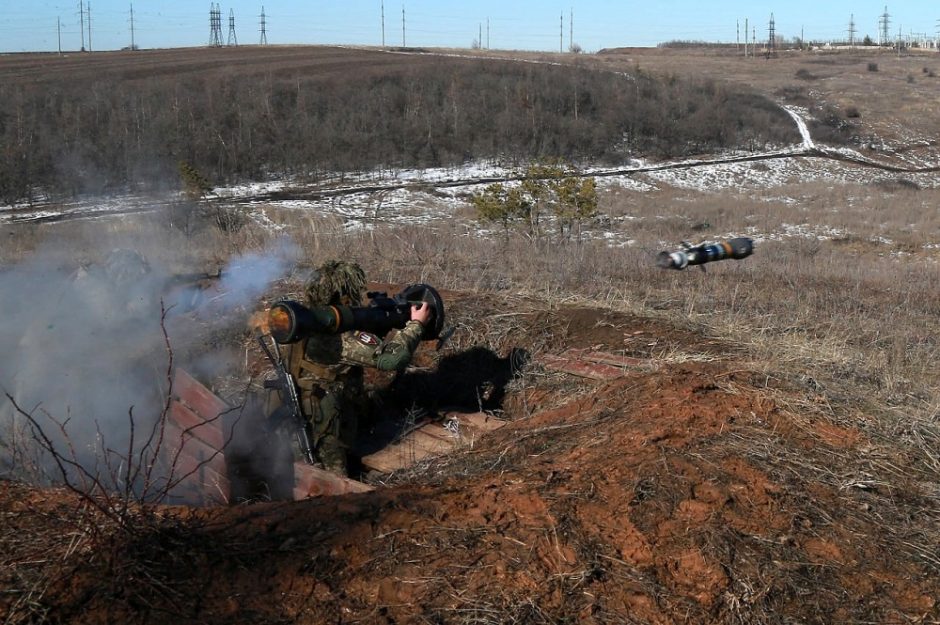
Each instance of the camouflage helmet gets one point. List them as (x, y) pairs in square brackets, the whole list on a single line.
[(335, 280)]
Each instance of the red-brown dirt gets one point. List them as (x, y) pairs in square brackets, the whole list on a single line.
[(692, 493)]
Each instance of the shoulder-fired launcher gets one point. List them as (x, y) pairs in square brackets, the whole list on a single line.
[(290, 321)]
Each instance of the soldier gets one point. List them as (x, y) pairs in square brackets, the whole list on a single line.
[(328, 368)]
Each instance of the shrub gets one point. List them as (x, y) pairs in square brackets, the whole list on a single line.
[(873, 67), (804, 74)]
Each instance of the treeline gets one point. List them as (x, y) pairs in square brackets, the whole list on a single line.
[(71, 137)]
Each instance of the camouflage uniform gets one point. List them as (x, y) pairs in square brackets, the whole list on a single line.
[(328, 368)]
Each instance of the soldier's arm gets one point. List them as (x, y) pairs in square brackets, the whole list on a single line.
[(396, 353), (366, 349), (363, 348)]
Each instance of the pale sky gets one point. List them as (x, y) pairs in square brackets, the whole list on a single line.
[(498, 24)]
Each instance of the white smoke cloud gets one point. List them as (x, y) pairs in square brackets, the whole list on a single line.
[(84, 348)]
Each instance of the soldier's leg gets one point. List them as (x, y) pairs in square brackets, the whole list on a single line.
[(331, 451)]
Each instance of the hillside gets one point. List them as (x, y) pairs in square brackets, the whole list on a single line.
[(752, 444), (105, 123), (696, 492)]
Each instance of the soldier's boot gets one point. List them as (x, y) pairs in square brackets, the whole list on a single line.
[(332, 454)]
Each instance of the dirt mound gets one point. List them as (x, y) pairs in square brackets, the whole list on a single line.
[(688, 491)]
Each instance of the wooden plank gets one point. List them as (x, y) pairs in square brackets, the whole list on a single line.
[(196, 396), (429, 440), (581, 368), (176, 439), (393, 458), (201, 477), (200, 482), (477, 421), (210, 432), (624, 362), (194, 494), (310, 481)]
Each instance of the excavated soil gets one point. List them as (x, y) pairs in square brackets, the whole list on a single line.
[(694, 492)]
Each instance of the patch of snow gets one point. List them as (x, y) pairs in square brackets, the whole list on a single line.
[(797, 115)]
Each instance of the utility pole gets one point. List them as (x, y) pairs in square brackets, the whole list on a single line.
[(88, 9), (771, 38), (231, 28), (133, 45), (571, 31), (480, 36), (852, 31), (561, 33), (403, 26), (487, 33), (737, 35), (81, 13), (383, 23), (264, 29), (745, 37), (58, 28)]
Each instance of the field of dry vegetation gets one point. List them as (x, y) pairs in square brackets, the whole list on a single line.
[(777, 462)]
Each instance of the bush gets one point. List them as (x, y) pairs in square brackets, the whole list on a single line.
[(873, 67), (804, 74)]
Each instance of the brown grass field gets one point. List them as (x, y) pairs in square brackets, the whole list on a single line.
[(774, 459)]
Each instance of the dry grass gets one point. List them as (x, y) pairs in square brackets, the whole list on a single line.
[(840, 334), (843, 331)]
